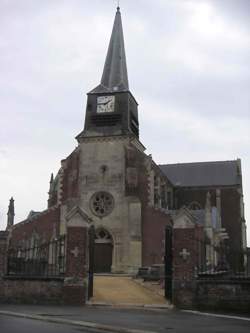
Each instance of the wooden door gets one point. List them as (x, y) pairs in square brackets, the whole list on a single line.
[(103, 257)]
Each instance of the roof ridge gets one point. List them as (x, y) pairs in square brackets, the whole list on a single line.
[(202, 162)]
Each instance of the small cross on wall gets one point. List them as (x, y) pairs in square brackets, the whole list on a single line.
[(75, 252), (184, 254)]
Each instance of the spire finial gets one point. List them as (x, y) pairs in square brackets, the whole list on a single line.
[(118, 5)]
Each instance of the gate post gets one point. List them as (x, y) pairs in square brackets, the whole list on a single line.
[(184, 268), (186, 234), (75, 289)]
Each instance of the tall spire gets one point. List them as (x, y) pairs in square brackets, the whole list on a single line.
[(115, 76)]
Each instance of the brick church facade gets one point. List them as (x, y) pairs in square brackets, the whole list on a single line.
[(112, 184)]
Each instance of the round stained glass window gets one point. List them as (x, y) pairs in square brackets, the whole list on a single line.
[(102, 203)]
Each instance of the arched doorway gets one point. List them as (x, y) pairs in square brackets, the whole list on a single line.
[(103, 251)]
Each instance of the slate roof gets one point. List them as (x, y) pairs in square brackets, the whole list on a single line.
[(115, 76), (222, 173)]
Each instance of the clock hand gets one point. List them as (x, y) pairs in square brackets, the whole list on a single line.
[(104, 103)]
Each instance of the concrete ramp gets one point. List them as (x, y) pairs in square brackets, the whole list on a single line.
[(124, 290)]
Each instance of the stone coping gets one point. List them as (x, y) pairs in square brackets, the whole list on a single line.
[(41, 278), (233, 280)]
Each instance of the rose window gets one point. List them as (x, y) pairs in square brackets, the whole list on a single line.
[(102, 203)]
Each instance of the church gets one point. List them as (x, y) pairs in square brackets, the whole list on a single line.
[(110, 182)]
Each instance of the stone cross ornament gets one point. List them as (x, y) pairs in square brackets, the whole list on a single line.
[(184, 254), (75, 252)]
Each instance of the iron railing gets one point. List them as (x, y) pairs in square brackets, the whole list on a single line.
[(44, 260), (221, 260)]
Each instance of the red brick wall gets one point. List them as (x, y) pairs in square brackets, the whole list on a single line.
[(153, 235), (186, 239), (184, 279), (70, 176), (223, 295), (136, 160), (44, 225), (30, 291), (74, 295), (76, 265), (153, 221), (75, 287), (3, 249), (230, 216)]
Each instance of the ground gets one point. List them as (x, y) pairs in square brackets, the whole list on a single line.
[(119, 320), (22, 325), (123, 290)]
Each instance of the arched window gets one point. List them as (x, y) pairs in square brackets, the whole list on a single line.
[(103, 236)]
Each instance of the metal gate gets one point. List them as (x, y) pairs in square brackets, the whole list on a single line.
[(91, 261), (168, 263)]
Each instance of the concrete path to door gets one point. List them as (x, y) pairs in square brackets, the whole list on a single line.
[(122, 290)]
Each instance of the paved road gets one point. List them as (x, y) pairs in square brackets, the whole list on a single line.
[(157, 321), (21, 325)]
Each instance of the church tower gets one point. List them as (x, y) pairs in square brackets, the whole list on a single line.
[(111, 108), (111, 128)]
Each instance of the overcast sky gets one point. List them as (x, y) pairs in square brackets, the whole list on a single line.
[(188, 65)]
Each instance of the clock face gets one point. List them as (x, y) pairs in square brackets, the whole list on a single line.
[(105, 104)]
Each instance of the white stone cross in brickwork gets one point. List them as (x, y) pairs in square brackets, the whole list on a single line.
[(184, 254), (75, 252)]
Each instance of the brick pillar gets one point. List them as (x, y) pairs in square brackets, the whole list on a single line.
[(3, 252), (185, 262), (75, 288)]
